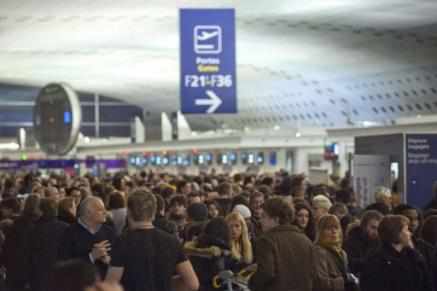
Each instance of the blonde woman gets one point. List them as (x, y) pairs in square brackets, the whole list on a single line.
[(241, 247), (332, 271)]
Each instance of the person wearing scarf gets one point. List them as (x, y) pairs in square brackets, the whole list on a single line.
[(332, 272)]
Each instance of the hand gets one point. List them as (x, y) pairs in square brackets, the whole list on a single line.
[(106, 260), (351, 278), (411, 244), (105, 286), (100, 249), (251, 268)]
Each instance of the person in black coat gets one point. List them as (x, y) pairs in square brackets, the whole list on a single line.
[(67, 210), (396, 265), (16, 249), (161, 220), (89, 239), (415, 225), (362, 240), (45, 240), (433, 203), (207, 252)]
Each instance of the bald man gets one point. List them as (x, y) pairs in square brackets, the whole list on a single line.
[(89, 238)]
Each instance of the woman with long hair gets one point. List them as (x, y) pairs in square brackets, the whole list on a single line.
[(209, 252), (241, 247), (305, 219), (332, 272)]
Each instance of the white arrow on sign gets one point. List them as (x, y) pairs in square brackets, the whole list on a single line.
[(213, 102)]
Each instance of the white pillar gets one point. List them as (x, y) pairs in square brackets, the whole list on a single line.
[(166, 127), (184, 130)]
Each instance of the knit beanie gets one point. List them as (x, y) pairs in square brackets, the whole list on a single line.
[(243, 210), (197, 212), (321, 201)]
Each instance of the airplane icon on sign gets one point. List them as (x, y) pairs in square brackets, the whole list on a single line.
[(207, 39)]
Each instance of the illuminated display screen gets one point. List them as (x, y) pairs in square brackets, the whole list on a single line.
[(224, 159), (250, 158), (67, 117), (273, 159), (233, 158), (260, 158)]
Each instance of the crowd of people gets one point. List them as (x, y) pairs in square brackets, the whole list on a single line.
[(156, 232)]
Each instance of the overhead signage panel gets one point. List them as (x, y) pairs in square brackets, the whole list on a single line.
[(421, 166), (207, 53)]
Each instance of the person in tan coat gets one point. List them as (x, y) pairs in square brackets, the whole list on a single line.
[(331, 266), (283, 253)]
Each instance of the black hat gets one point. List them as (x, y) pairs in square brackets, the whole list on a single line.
[(197, 212)]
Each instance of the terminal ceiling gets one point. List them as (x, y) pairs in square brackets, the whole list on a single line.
[(334, 54)]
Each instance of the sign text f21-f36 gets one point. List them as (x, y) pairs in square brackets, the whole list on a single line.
[(208, 82)]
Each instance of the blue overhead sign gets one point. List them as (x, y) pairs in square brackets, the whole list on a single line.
[(208, 81), (421, 166)]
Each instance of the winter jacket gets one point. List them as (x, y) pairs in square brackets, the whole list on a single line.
[(285, 261), (358, 246), (390, 270)]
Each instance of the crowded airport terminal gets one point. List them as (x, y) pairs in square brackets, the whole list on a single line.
[(221, 145)]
